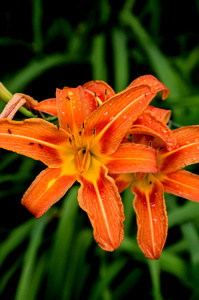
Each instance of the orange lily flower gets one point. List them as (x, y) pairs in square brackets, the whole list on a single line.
[(175, 150), (79, 149)]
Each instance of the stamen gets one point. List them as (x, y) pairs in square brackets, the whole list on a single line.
[(94, 131), (85, 156), (75, 151), (106, 94), (82, 141), (68, 127)]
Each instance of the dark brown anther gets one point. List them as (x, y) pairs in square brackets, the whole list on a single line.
[(40, 146), (94, 132), (67, 98), (160, 148), (80, 133), (150, 182), (9, 131), (70, 141), (31, 143)]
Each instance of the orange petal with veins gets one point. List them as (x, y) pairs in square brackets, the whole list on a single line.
[(150, 124), (35, 138), (162, 114), (113, 119), (101, 89), (48, 187), (122, 180), (47, 106), (185, 153), (155, 85), (99, 197), (130, 158), (181, 183), (151, 215)]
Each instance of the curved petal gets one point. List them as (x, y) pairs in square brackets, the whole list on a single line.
[(162, 114), (99, 197), (150, 124), (185, 153), (37, 139), (13, 106), (130, 158), (122, 180), (73, 106), (155, 85), (151, 216), (48, 187), (114, 117), (101, 89), (47, 106), (181, 183)]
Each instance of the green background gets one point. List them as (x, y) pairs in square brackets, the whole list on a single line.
[(49, 44)]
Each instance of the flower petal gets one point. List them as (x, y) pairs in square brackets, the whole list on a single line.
[(99, 197), (155, 85), (151, 216), (130, 158), (185, 153), (181, 183), (101, 89), (162, 114), (49, 187), (73, 106), (47, 106), (35, 138), (122, 180), (114, 117), (150, 124), (12, 106)]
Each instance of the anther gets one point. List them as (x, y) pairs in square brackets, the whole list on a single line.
[(70, 141), (67, 97), (40, 146), (80, 133), (94, 131), (106, 93), (68, 127), (31, 143), (9, 131)]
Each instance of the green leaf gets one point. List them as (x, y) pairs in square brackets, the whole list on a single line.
[(15, 238), (62, 244), (120, 59), (77, 270), (109, 273), (98, 58), (24, 288)]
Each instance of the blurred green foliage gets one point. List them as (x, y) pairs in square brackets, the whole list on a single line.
[(44, 45)]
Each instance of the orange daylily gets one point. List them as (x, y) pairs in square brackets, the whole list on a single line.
[(79, 149), (175, 150)]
